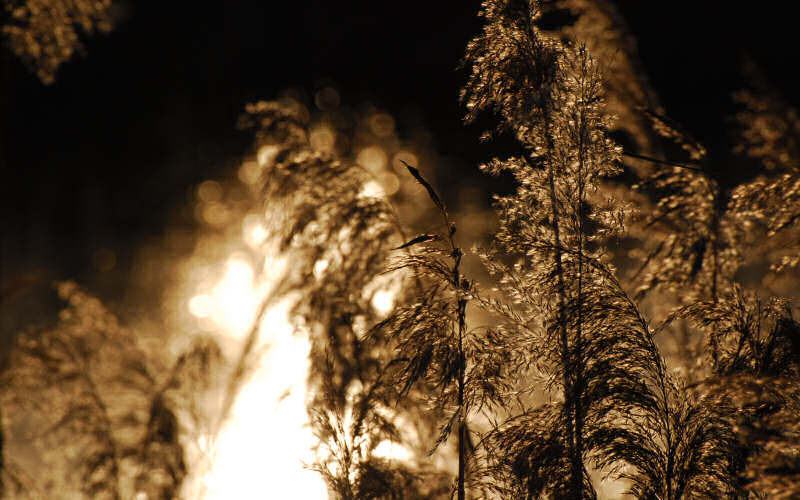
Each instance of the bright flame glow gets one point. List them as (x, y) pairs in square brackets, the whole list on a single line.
[(253, 230), (393, 451), (201, 306), (260, 450), (232, 303), (383, 301), (371, 189)]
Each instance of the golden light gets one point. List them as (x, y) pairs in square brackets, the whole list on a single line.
[(249, 172), (322, 139), (383, 301), (373, 158), (265, 439), (266, 154), (392, 451), (319, 268), (201, 306), (235, 298), (390, 183), (259, 446), (261, 449), (214, 213), (209, 191), (372, 189), (253, 230)]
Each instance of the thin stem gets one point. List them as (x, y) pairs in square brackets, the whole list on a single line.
[(562, 297), (461, 307), (663, 162), (577, 460), (462, 428)]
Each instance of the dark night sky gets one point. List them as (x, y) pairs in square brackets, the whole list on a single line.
[(101, 157)]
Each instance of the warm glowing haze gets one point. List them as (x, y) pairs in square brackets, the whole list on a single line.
[(263, 443)]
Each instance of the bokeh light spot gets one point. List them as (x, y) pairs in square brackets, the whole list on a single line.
[(249, 172), (383, 301), (381, 124), (209, 191), (216, 214), (390, 183), (323, 139), (253, 230), (372, 158)]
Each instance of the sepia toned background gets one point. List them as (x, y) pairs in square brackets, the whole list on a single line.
[(130, 179)]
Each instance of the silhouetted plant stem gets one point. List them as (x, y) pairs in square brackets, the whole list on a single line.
[(462, 428), (565, 347), (461, 307), (455, 326), (577, 471), (667, 163), (461, 312)]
